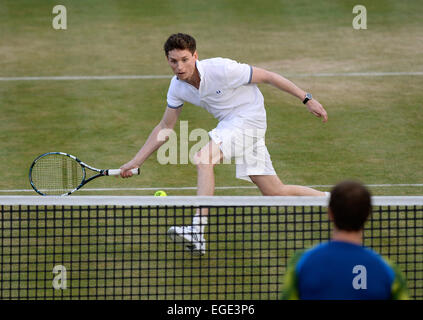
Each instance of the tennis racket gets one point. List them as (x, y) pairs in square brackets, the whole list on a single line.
[(60, 174)]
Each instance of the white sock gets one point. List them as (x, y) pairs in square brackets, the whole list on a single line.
[(199, 222)]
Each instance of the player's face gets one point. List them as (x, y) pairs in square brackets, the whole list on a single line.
[(182, 63)]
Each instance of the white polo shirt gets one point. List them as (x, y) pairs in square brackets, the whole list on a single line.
[(225, 91)]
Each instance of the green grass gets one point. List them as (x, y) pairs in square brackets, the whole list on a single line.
[(374, 133)]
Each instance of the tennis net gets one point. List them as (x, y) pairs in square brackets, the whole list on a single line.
[(86, 247)]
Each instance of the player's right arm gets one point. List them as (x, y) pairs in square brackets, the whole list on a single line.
[(154, 141)]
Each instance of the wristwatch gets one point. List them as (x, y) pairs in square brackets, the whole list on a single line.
[(307, 97)]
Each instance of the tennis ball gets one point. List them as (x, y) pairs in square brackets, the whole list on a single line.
[(160, 193)]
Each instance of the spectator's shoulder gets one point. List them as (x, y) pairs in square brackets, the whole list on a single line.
[(298, 257), (384, 262), (399, 290), (309, 255)]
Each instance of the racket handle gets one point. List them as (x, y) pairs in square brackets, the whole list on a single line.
[(116, 172)]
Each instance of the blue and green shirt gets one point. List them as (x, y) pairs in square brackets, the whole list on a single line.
[(342, 271)]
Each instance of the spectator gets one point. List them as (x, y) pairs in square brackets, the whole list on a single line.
[(342, 268)]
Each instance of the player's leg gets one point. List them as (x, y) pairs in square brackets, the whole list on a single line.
[(192, 237), (205, 161), (271, 185), (259, 168)]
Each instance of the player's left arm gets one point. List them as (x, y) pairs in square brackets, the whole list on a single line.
[(264, 76)]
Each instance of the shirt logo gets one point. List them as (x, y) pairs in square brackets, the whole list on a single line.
[(360, 280), (219, 92)]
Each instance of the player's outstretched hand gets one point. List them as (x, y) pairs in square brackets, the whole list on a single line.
[(125, 170), (317, 109)]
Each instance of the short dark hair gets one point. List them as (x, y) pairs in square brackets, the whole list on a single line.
[(350, 203), (180, 41)]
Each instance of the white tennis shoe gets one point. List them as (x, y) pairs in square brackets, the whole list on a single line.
[(190, 238)]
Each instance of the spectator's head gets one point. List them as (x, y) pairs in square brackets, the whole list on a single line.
[(349, 205)]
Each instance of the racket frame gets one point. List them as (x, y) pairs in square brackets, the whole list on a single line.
[(101, 172)]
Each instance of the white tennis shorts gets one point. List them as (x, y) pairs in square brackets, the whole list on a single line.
[(246, 145)]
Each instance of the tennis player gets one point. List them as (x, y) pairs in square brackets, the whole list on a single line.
[(228, 90), (342, 268)]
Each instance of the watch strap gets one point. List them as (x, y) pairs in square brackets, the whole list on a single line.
[(307, 98)]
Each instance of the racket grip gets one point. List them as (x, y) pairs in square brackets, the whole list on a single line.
[(116, 172)]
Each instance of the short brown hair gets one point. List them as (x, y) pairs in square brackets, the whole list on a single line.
[(350, 203), (180, 41)]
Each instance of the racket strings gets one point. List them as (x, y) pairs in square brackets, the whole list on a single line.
[(56, 174)]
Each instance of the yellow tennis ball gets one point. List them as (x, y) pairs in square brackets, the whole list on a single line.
[(160, 193)]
